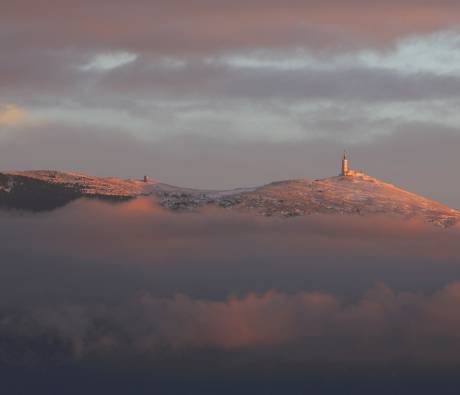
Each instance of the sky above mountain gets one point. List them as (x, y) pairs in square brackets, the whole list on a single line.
[(225, 94)]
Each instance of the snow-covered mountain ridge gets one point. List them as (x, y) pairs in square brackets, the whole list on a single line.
[(357, 194)]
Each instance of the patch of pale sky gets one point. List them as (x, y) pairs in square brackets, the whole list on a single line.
[(244, 121), (275, 121), (437, 53), (106, 119), (167, 63), (444, 112), (109, 61), (322, 119)]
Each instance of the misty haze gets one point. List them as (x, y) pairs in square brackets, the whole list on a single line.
[(214, 197)]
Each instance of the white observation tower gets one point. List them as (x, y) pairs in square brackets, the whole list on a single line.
[(345, 169)]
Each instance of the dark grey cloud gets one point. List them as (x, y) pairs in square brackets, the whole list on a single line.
[(42, 52), (33, 75), (343, 84), (37, 74), (204, 26)]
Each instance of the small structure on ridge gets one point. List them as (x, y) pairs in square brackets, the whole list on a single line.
[(345, 169)]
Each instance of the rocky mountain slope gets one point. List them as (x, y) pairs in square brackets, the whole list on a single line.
[(357, 194), (47, 190)]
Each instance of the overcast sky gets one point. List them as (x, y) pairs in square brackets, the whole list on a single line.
[(223, 94)]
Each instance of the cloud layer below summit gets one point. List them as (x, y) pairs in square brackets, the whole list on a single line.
[(109, 281)]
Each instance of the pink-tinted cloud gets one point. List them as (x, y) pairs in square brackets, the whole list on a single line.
[(382, 327), (110, 281), (178, 26)]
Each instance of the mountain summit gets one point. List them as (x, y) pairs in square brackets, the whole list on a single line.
[(354, 193)]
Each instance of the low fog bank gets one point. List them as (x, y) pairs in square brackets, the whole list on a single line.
[(97, 282), (100, 252)]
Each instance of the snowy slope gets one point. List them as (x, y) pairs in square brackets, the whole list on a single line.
[(358, 194), (47, 189), (87, 185)]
